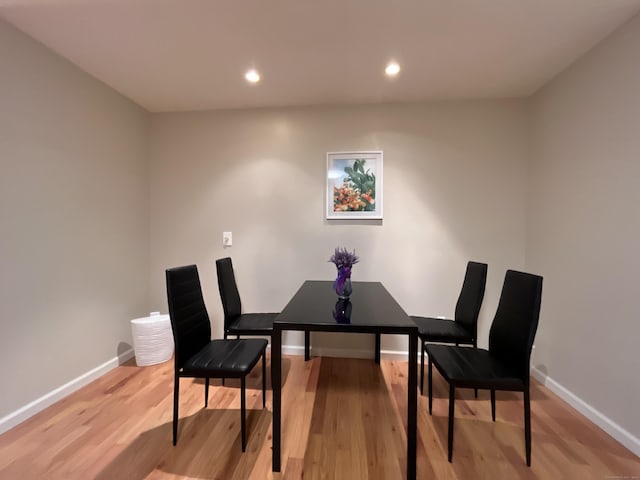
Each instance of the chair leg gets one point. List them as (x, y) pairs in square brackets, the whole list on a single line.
[(422, 368), (493, 404), (430, 384), (243, 406), (225, 337), (475, 390), (452, 402), (527, 425), (176, 393), (206, 392), (307, 342), (264, 379)]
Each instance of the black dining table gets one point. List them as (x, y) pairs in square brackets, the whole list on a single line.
[(370, 309)]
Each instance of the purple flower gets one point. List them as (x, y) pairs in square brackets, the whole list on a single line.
[(344, 259)]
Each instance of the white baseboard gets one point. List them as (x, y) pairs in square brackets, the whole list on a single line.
[(605, 423), (27, 411), (329, 352), (344, 353)]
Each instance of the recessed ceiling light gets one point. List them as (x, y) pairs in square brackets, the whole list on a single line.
[(392, 69), (252, 76)]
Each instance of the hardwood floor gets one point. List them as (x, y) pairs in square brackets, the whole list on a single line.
[(342, 419)]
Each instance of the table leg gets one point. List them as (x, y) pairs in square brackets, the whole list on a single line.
[(412, 407), (377, 352), (307, 345), (276, 387)]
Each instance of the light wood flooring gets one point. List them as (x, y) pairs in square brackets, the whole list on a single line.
[(342, 419)]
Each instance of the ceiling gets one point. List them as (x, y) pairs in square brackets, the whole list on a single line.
[(173, 55)]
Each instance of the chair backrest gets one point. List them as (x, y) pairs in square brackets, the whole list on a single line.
[(188, 313), (514, 326), (471, 295), (229, 294)]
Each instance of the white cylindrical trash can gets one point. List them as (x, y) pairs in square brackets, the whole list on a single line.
[(152, 339)]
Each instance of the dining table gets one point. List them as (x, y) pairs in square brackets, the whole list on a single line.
[(315, 307)]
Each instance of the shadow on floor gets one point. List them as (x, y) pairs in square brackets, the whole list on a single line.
[(209, 446)]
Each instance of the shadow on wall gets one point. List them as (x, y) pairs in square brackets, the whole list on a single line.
[(333, 221), (542, 371), (124, 352)]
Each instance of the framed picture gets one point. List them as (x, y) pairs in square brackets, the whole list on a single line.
[(354, 185)]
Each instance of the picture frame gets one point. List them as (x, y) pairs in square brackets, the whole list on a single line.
[(354, 185)]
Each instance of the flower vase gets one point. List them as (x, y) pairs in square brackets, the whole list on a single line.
[(342, 284)]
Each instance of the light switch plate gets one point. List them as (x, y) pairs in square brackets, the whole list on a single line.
[(227, 239)]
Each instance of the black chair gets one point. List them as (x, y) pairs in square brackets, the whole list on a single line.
[(236, 322), (196, 355), (463, 329), (505, 366)]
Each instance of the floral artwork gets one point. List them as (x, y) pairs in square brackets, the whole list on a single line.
[(358, 190), (354, 185)]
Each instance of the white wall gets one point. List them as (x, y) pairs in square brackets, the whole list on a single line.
[(73, 220), (453, 191), (583, 228)]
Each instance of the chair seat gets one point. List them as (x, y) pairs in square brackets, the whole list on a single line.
[(230, 358), (442, 330), (252, 324), (471, 367)]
